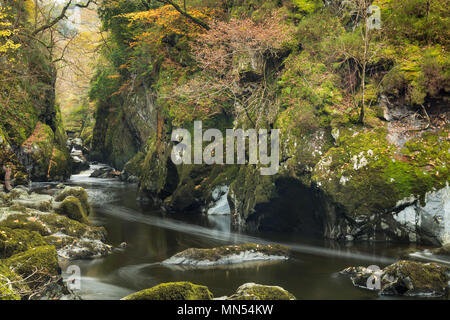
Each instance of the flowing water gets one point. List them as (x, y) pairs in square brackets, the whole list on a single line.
[(152, 237)]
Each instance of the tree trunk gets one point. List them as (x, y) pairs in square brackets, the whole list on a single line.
[(8, 172)]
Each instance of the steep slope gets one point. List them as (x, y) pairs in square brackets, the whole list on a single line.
[(363, 114)]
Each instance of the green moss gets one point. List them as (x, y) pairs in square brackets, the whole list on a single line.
[(6, 292), (173, 291), (78, 193), (24, 222), (39, 265), (46, 224), (134, 166), (71, 207), (11, 284), (215, 254), (366, 174), (423, 276), (252, 291), (13, 241)]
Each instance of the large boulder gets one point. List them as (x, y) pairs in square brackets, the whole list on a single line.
[(173, 291), (403, 278), (77, 192), (72, 208), (229, 255), (253, 291), (38, 265)]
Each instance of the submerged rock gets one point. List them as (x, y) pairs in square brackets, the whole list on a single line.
[(229, 255), (173, 291), (403, 278), (253, 291)]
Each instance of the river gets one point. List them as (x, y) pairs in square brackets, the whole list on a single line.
[(152, 237)]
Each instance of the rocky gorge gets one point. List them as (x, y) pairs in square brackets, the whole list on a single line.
[(364, 150)]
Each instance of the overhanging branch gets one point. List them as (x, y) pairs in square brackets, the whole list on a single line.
[(187, 15), (61, 16)]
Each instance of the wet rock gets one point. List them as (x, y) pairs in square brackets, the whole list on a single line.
[(123, 245), (105, 173), (253, 291), (444, 250), (79, 164), (72, 248), (427, 222), (35, 201), (229, 255), (403, 278), (220, 205), (173, 291)]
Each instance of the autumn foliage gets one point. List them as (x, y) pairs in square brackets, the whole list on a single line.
[(217, 53), (170, 21), (215, 49)]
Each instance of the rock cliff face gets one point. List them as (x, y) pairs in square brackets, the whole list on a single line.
[(383, 179), (32, 137), (120, 133)]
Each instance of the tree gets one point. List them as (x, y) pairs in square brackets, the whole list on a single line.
[(7, 31), (366, 18)]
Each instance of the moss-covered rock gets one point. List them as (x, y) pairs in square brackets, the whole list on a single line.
[(12, 286), (72, 208), (14, 241), (77, 192), (415, 279), (39, 265), (45, 149), (229, 254), (6, 292), (403, 278), (173, 291), (253, 291), (36, 201)]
